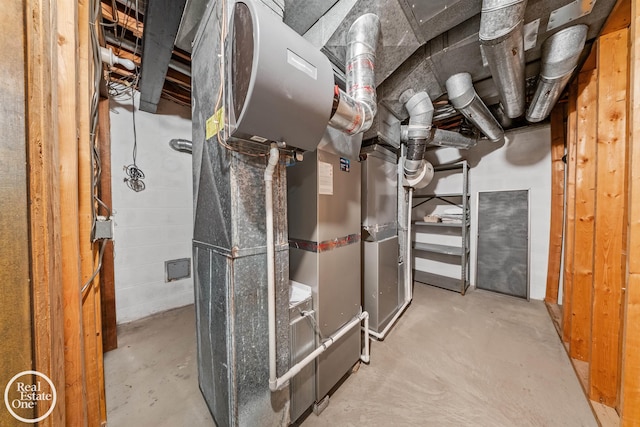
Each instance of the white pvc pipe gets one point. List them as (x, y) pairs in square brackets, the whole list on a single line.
[(295, 369), (276, 383), (408, 276), (274, 156)]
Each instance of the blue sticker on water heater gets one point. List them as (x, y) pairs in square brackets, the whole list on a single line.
[(345, 164)]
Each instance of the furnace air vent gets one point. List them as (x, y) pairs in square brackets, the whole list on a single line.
[(280, 87)]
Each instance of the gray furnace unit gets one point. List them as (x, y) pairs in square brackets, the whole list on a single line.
[(324, 235), (381, 270)]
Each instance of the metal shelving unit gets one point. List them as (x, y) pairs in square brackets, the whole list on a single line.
[(461, 251)]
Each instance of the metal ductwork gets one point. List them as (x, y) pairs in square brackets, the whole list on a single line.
[(354, 111), (501, 38), (560, 55), (417, 171), (182, 145), (464, 98)]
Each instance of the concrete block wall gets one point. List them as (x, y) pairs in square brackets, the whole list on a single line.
[(154, 225)]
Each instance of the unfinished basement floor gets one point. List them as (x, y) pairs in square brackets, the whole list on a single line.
[(480, 360)]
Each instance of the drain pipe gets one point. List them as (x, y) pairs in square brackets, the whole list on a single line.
[(464, 99), (560, 55), (408, 276), (354, 111), (501, 38)]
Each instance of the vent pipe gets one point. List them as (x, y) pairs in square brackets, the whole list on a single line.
[(418, 172), (354, 111), (464, 98), (560, 55), (182, 145), (501, 38)]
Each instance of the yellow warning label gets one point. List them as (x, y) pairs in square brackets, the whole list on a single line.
[(215, 123)]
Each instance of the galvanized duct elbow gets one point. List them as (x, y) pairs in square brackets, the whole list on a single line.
[(355, 110), (182, 145), (418, 172), (420, 111), (464, 99), (501, 37), (560, 54)]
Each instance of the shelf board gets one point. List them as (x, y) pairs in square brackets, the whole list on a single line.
[(440, 249), (445, 282), (426, 196), (439, 224)]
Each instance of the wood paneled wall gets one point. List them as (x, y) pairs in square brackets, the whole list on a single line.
[(600, 321)]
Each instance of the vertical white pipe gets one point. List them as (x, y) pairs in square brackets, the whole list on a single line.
[(408, 282), (274, 156)]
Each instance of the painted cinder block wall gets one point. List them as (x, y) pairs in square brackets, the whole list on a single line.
[(154, 225)]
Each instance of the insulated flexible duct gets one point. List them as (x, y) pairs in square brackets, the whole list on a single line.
[(354, 111), (501, 37), (464, 98), (560, 54), (446, 138)]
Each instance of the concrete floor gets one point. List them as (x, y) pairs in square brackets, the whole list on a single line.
[(482, 360)]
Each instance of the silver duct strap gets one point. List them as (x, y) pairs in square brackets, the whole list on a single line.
[(464, 99), (560, 55), (501, 38), (354, 111)]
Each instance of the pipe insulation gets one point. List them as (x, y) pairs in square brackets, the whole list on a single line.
[(182, 145), (354, 110), (447, 138), (560, 55), (501, 39), (464, 99)]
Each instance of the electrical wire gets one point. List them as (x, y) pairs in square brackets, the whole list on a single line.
[(134, 173)]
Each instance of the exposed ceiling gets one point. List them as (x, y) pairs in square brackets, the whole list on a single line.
[(423, 41)]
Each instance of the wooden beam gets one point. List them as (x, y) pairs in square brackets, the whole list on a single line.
[(630, 391), (44, 211), (122, 19), (93, 361), (585, 213), (15, 287), (107, 279), (162, 19), (610, 216), (569, 227), (75, 401), (619, 18), (557, 203)]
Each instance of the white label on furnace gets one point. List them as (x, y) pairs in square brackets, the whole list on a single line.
[(325, 178)]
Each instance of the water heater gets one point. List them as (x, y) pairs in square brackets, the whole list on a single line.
[(279, 86)]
